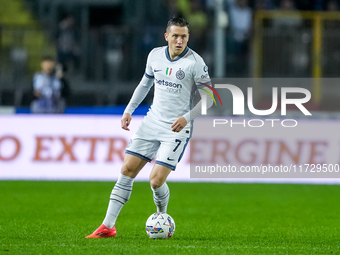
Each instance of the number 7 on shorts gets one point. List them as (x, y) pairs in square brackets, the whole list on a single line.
[(179, 142)]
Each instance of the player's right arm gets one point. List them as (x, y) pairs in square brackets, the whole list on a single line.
[(139, 94), (125, 121)]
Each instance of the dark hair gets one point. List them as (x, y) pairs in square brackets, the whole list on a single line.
[(177, 21), (48, 58)]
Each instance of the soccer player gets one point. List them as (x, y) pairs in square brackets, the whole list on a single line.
[(174, 70)]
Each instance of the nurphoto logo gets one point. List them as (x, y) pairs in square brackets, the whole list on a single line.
[(238, 104)]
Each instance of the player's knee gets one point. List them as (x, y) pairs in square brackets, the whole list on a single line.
[(155, 183), (129, 170)]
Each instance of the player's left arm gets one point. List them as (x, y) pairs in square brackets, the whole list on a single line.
[(201, 79), (179, 124), (203, 83)]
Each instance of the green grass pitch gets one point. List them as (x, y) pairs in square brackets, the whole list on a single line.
[(211, 218)]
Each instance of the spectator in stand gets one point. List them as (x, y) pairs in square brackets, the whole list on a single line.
[(264, 5), (65, 90), (47, 89), (291, 23), (287, 5), (238, 38), (332, 6), (197, 18), (67, 47)]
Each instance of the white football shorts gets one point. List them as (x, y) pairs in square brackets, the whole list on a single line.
[(147, 141)]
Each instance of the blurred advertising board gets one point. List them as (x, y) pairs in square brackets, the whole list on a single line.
[(91, 147)]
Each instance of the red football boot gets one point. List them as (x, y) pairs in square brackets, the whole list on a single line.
[(103, 231)]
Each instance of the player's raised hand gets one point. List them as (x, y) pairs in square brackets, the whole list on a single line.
[(179, 124), (125, 121)]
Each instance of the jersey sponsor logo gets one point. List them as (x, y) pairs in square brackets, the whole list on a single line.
[(205, 76), (180, 74), (205, 68), (168, 71), (168, 84)]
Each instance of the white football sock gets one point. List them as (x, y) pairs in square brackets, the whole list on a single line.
[(119, 196), (161, 197)]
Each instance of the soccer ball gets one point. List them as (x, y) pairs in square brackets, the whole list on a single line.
[(160, 226)]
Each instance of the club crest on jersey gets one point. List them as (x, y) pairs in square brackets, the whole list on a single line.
[(168, 71), (180, 74)]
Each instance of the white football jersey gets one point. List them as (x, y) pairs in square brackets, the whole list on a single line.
[(173, 81)]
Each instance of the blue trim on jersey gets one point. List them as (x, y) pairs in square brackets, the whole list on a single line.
[(149, 76), (180, 56), (138, 155), (186, 143), (165, 164)]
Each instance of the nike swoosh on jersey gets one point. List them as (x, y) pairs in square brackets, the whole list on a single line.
[(171, 159), (155, 71)]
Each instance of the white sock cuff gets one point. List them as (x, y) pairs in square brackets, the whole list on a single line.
[(125, 180), (161, 189)]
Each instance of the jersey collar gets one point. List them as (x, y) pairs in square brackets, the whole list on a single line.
[(180, 56)]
